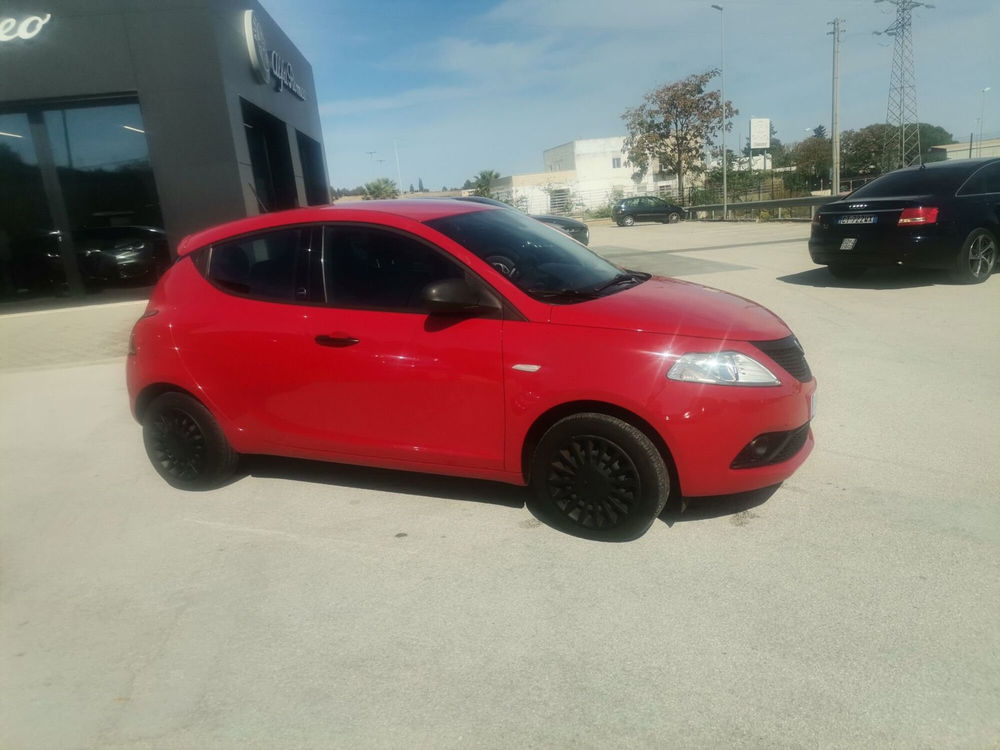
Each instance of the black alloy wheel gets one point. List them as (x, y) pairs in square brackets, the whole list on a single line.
[(977, 259), (598, 477), (185, 444), (593, 481)]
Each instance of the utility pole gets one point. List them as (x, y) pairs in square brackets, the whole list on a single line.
[(722, 75), (901, 112), (399, 180), (835, 129), (982, 114)]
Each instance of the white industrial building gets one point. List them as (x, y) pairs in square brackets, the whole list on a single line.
[(967, 150), (580, 175)]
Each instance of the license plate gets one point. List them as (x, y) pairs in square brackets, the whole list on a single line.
[(849, 244), (858, 219)]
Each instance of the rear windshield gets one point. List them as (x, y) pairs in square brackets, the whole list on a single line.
[(913, 182)]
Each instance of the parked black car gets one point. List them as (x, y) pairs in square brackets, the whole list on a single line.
[(628, 211), (943, 215), (106, 255), (570, 227)]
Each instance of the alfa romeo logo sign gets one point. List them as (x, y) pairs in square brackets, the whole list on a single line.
[(257, 47), (269, 67)]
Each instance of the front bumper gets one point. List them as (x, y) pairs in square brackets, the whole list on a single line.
[(708, 429)]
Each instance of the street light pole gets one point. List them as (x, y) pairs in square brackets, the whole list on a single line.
[(982, 114), (722, 77)]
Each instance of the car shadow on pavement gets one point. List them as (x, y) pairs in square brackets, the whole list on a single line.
[(715, 506), (890, 277), (475, 490), (383, 480)]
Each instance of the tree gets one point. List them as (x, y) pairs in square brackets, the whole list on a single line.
[(813, 159), (673, 125), (383, 187), (482, 182), (819, 131), (863, 151), (420, 185)]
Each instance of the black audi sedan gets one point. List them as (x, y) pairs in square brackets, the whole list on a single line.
[(944, 215)]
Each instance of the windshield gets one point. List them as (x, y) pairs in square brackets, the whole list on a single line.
[(913, 182), (541, 261)]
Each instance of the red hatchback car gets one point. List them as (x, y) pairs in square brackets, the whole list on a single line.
[(464, 339)]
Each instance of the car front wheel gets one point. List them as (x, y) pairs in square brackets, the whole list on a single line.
[(185, 444), (627, 221), (673, 217), (977, 258), (598, 477)]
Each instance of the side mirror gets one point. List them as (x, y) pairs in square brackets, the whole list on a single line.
[(456, 297)]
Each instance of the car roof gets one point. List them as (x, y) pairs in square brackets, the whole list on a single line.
[(951, 165), (413, 208)]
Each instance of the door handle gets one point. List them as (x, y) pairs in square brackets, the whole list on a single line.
[(336, 341)]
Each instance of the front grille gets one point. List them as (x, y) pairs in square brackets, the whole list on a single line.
[(771, 448), (787, 352)]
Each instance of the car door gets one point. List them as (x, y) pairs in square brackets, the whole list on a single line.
[(383, 378), (241, 335), (658, 210)]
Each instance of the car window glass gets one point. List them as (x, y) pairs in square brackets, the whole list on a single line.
[(934, 181), (986, 180), (534, 258), (263, 265), (382, 270)]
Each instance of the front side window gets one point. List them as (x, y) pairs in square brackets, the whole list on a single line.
[(370, 268), (542, 263), (264, 266)]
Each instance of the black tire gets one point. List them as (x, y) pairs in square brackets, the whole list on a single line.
[(598, 477), (673, 217), (845, 271), (977, 259), (627, 221), (185, 444)]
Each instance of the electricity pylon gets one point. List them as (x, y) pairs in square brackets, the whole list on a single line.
[(901, 147)]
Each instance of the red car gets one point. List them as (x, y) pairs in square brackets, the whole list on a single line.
[(458, 338)]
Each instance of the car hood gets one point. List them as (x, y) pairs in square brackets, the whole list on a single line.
[(673, 307)]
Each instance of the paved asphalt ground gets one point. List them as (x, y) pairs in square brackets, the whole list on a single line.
[(318, 606)]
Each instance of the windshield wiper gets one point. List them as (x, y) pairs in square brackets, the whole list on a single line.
[(574, 293), (621, 278)]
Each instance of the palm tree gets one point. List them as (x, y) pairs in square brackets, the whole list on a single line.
[(482, 181), (383, 187)]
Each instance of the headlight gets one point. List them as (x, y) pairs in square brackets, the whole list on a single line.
[(721, 368)]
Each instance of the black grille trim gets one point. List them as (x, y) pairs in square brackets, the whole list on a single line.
[(788, 354), (784, 445)]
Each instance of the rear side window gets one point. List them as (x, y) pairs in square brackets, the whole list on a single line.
[(265, 266), (986, 180), (369, 268)]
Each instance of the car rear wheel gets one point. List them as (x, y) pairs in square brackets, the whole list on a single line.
[(844, 271), (673, 217), (598, 477), (626, 221), (977, 259), (185, 444)]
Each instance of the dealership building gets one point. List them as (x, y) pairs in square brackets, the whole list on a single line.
[(175, 114)]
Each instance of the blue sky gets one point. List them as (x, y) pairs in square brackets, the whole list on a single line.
[(490, 84)]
